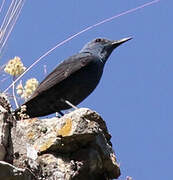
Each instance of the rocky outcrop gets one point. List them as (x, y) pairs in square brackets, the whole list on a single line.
[(76, 146)]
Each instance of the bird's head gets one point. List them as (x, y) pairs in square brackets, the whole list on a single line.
[(103, 47)]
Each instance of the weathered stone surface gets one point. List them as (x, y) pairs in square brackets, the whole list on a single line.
[(76, 146), (4, 132), (6, 119)]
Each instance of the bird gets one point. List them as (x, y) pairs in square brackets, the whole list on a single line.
[(72, 80)]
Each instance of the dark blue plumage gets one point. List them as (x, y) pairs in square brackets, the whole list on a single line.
[(73, 79)]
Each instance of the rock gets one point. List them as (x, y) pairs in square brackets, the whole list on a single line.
[(76, 146), (10, 172), (6, 120)]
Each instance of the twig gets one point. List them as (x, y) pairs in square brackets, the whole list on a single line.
[(2, 5), (14, 94), (9, 21)]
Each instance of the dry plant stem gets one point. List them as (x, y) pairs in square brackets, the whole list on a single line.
[(9, 21), (14, 15), (81, 32), (2, 5), (14, 94)]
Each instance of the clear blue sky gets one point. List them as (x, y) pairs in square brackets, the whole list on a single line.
[(135, 95)]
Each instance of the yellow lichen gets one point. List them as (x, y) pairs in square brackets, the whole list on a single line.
[(45, 145), (66, 129), (30, 135)]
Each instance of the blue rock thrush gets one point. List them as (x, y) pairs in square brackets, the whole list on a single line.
[(72, 80)]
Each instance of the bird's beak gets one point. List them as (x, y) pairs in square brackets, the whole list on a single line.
[(116, 43)]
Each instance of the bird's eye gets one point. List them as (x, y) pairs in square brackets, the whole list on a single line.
[(98, 40)]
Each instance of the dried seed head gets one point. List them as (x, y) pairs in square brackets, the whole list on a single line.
[(15, 66)]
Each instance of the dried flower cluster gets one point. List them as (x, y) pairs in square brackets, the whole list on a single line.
[(15, 66), (22, 113), (26, 91)]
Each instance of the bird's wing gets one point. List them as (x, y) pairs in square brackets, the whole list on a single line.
[(63, 70)]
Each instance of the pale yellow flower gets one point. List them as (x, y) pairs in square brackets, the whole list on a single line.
[(19, 89), (29, 88), (31, 84), (15, 67)]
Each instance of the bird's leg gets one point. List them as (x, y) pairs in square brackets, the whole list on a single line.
[(69, 103), (62, 114)]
